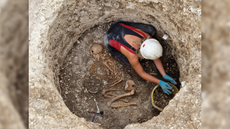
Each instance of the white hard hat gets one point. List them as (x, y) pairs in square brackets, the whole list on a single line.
[(151, 49)]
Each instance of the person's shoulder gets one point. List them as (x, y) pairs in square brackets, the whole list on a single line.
[(132, 55), (133, 59)]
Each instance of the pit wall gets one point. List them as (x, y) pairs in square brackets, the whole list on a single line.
[(54, 27), (13, 64)]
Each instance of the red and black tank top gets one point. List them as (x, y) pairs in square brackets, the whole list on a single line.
[(116, 35)]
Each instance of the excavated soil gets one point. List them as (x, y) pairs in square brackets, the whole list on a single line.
[(161, 99), (79, 87)]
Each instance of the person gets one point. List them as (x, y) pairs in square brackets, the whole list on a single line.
[(129, 41)]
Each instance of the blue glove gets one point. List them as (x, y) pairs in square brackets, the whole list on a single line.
[(165, 87), (169, 79)]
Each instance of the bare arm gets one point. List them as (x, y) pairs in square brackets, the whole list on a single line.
[(160, 67), (162, 71), (134, 61), (138, 68)]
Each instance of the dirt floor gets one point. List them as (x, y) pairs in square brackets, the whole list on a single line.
[(79, 87)]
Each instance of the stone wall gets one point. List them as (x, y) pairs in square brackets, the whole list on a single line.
[(55, 25)]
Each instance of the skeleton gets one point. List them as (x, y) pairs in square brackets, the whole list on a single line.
[(96, 52)]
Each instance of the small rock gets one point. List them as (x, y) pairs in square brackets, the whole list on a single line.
[(75, 95), (116, 4), (104, 82), (86, 91)]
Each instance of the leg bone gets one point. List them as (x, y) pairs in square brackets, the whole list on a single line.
[(106, 90), (117, 105), (118, 97), (110, 97)]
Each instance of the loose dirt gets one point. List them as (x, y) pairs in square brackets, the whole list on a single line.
[(160, 98), (79, 87)]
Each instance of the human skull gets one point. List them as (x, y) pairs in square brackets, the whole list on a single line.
[(95, 50)]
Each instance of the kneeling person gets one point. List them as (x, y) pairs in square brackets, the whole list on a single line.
[(130, 41)]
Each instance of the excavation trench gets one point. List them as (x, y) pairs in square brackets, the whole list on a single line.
[(75, 30), (79, 86)]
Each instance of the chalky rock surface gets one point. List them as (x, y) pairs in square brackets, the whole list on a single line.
[(215, 62), (55, 25), (13, 64)]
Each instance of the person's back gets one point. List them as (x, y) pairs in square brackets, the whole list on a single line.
[(129, 35), (125, 39)]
